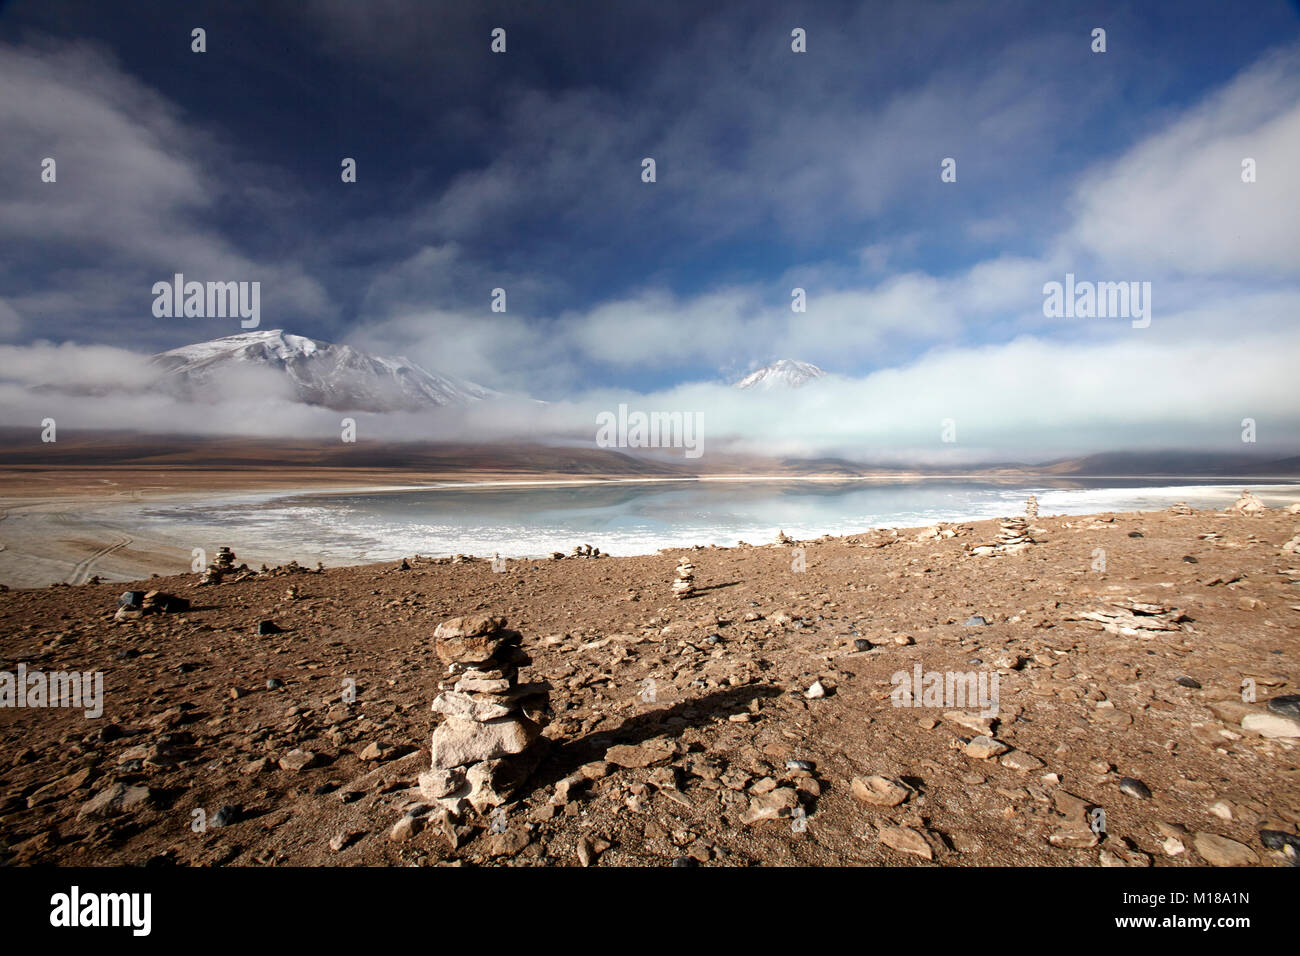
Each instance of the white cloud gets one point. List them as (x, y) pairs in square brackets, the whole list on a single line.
[(1176, 203), (74, 366), (135, 182)]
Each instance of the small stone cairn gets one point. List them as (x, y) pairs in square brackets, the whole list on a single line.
[(684, 586), (1014, 533), (490, 740), (220, 566), (1249, 504)]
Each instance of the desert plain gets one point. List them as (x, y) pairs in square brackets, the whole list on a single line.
[(756, 722)]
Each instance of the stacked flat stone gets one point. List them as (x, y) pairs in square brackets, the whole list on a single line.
[(1181, 508), (133, 605), (783, 538), (1014, 533), (585, 551), (218, 567), (1249, 504), (1031, 508), (490, 738), (1013, 536), (684, 586)]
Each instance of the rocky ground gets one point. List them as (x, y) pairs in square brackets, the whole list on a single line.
[(751, 723)]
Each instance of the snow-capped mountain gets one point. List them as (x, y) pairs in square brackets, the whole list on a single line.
[(785, 373), (321, 373)]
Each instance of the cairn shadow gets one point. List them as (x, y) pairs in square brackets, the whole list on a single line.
[(716, 587), (564, 759)]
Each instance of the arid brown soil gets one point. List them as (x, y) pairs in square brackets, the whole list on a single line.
[(713, 704)]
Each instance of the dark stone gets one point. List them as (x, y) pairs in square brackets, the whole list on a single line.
[(713, 638), (1186, 681), (171, 604), (1279, 840), (127, 654), (685, 861), (1288, 705), (227, 815), (131, 599), (807, 765), (1134, 788), (1136, 534), (274, 683), (862, 644), (1190, 560), (111, 732), (268, 627)]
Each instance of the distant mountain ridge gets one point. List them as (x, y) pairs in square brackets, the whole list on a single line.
[(321, 373), (1173, 464), (484, 459)]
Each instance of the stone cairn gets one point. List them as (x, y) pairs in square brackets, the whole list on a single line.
[(1031, 508), (1249, 504), (1013, 536), (223, 564), (684, 586), (585, 551), (490, 740), (783, 538)]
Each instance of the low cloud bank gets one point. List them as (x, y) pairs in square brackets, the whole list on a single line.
[(1027, 400)]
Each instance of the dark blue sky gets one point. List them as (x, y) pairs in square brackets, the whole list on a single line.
[(522, 170)]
